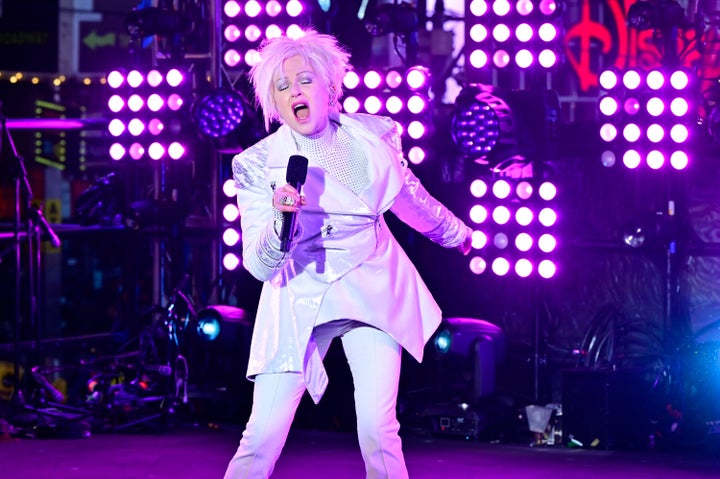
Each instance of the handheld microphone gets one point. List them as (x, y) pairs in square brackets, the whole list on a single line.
[(296, 173)]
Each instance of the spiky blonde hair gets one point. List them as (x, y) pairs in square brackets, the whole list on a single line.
[(322, 52)]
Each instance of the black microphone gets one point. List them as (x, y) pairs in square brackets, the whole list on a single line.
[(295, 177)]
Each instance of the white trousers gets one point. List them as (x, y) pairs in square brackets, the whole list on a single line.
[(374, 359)]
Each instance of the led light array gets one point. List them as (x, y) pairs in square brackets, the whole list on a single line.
[(148, 114), (402, 94), (231, 254), (247, 24), (516, 223), (646, 118), (504, 34)]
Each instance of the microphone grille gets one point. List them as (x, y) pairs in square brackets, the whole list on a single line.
[(297, 170)]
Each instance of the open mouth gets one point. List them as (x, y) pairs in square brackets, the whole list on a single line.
[(301, 111)]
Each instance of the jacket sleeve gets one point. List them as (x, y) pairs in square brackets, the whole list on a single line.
[(416, 207), (260, 241)]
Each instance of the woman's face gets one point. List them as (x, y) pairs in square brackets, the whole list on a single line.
[(301, 96)]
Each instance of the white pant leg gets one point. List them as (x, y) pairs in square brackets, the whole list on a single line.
[(275, 400), (374, 359)]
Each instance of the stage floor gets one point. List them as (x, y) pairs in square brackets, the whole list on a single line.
[(202, 451)]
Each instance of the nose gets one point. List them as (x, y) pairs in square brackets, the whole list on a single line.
[(295, 89)]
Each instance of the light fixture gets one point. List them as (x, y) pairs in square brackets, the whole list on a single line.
[(399, 17), (212, 320), (502, 128), (655, 14), (143, 22), (226, 119), (468, 348)]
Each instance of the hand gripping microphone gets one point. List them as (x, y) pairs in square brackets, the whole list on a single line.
[(296, 173)]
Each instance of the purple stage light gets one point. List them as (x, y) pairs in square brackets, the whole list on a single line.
[(548, 32), (547, 191), (273, 31), (631, 80), (478, 59), (608, 79), (478, 188), (136, 151), (679, 160), (501, 33), (232, 58), (478, 33), (524, 32), (116, 127), (416, 130), (524, 7), (253, 33), (524, 59), (135, 127), (416, 104), (479, 239), (228, 188), (372, 79), (501, 59), (523, 268), (655, 80), (416, 155), (116, 103), (500, 266), (155, 78), (351, 80), (155, 126), (117, 151), (351, 104), (501, 215), (417, 78), (501, 189), (631, 132), (547, 243), (501, 7), (523, 242), (232, 33), (547, 269), (608, 132), (524, 190), (655, 106), (231, 261), (232, 8), (393, 79), (501, 240), (631, 106), (115, 79), (478, 214), (156, 151), (478, 265), (176, 150), (394, 104), (372, 104), (524, 216), (135, 103), (155, 102), (655, 133), (273, 8), (135, 79), (294, 8), (655, 159), (547, 217), (252, 8), (231, 237), (631, 159)]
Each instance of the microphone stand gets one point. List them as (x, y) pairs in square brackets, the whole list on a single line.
[(34, 222)]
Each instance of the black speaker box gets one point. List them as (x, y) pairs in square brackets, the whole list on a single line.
[(605, 409)]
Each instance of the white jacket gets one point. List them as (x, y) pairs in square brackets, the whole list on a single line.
[(344, 262)]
